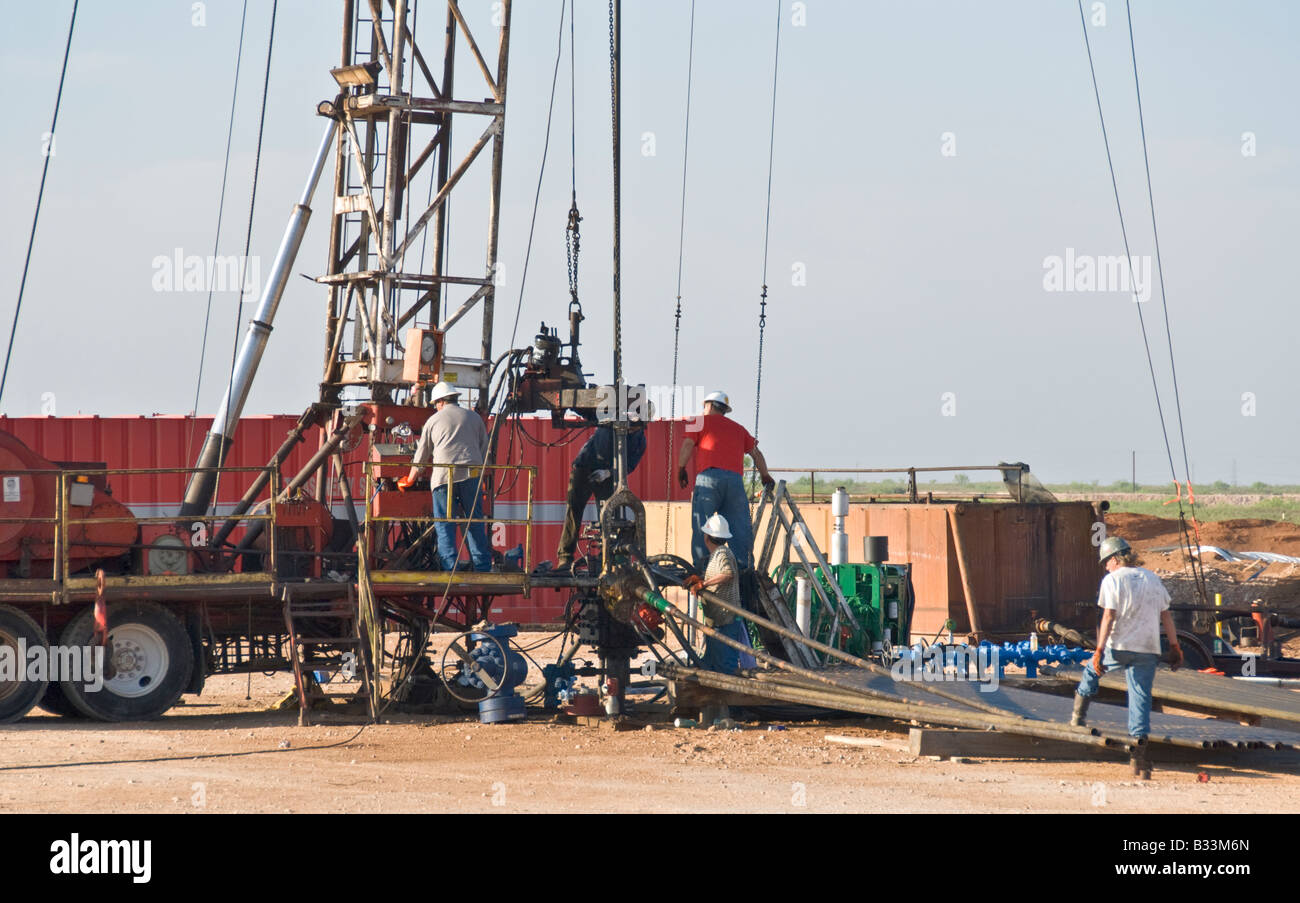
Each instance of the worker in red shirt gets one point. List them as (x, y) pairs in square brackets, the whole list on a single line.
[(719, 448)]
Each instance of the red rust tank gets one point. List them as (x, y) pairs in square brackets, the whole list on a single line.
[(28, 494)]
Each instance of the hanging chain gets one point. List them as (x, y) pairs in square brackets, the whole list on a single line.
[(572, 236), (572, 246), (762, 327)]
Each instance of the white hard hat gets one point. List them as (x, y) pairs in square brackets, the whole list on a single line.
[(719, 398), (717, 527), (443, 390)]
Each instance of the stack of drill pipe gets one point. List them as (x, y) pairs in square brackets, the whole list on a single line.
[(829, 690), (901, 711), (1223, 693), (1109, 719), (869, 701), (823, 648)]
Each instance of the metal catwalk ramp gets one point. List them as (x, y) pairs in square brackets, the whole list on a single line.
[(1188, 689), (1222, 693), (1016, 711), (1111, 720)]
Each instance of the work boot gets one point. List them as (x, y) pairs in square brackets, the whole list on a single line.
[(1080, 710), (563, 563), (1138, 759)]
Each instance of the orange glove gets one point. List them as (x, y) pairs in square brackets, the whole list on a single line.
[(694, 583), (405, 483), (1096, 662)]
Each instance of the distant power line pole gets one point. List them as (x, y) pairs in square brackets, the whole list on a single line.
[(1135, 469)]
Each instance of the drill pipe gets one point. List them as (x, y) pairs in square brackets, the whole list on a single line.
[(654, 599), (899, 711), (836, 653), (997, 717), (784, 679), (202, 484), (1069, 634)]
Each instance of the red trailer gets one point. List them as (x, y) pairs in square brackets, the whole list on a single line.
[(90, 494)]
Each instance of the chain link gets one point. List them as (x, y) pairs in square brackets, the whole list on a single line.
[(572, 247)]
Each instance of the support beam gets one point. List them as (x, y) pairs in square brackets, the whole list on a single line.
[(497, 85)]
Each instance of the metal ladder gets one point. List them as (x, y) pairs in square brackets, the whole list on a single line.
[(315, 647), (374, 133)]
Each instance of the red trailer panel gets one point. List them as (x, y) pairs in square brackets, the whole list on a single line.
[(173, 441)]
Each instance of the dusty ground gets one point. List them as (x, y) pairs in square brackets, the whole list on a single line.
[(225, 753), (1242, 534)]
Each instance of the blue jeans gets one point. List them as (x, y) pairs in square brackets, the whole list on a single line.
[(465, 498), (1140, 672), (718, 656), (719, 491)]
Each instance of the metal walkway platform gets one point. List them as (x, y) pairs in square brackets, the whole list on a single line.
[(1007, 709)]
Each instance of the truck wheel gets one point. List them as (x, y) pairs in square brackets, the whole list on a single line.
[(17, 694), (150, 660), (55, 701)]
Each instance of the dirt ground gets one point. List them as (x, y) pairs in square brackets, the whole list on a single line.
[(227, 751), (1240, 535), (223, 752)]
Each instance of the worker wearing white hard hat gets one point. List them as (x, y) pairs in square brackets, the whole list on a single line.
[(722, 578), (716, 527), (718, 446), (453, 438), (1135, 606), (720, 400)]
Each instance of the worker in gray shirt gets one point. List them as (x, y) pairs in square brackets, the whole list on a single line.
[(454, 435)]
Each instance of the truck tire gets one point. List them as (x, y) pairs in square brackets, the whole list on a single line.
[(18, 695), (151, 661), (55, 701)]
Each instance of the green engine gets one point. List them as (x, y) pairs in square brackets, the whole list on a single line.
[(878, 595)]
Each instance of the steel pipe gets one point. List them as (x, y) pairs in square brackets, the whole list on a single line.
[(655, 599), (198, 495), (897, 710), (836, 653)]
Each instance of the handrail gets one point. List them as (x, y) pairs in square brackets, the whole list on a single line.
[(371, 467), (62, 521), (912, 493)]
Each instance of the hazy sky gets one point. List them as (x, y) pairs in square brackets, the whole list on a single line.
[(931, 158)]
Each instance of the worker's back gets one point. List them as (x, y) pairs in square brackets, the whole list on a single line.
[(1138, 597), (721, 442), (454, 435)]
